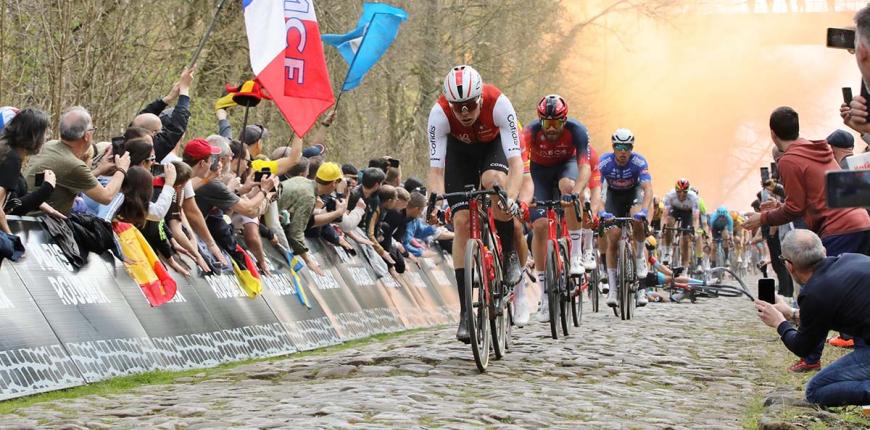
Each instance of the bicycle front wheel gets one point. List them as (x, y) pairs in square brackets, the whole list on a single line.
[(477, 308), (594, 289), (625, 269), (553, 279)]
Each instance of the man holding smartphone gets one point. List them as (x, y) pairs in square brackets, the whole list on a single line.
[(802, 168), (835, 296)]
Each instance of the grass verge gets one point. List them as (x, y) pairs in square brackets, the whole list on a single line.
[(158, 377)]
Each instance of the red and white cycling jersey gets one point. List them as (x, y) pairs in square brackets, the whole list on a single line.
[(497, 119)]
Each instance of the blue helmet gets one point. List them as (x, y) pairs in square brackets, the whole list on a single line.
[(722, 210)]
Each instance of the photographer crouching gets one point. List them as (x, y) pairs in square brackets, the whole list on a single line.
[(835, 296)]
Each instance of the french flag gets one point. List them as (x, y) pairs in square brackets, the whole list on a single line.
[(287, 58)]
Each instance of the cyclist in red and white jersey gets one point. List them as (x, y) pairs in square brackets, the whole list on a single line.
[(474, 140)]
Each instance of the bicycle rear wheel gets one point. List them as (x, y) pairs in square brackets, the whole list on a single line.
[(477, 314), (553, 280)]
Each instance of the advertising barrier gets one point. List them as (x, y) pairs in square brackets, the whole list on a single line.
[(64, 327)]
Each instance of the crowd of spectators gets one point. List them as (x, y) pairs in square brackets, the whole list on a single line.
[(823, 250), (212, 200)]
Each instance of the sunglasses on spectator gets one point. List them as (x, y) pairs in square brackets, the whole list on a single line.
[(622, 147), (552, 123), (784, 260), (466, 106)]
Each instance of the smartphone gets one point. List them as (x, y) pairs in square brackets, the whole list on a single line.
[(774, 172), (265, 173), (215, 163), (847, 95), (156, 170), (765, 174), (848, 188), (841, 38), (118, 146), (767, 290), (394, 162), (39, 179)]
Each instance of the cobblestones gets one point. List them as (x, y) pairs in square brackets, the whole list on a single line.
[(678, 366)]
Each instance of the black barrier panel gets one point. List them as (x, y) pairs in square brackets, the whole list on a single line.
[(348, 318), (442, 279), (85, 309), (404, 304), (249, 328), (307, 328), (32, 360), (371, 293), (429, 303), (182, 330)]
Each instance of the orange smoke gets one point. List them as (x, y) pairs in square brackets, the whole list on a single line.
[(697, 91)]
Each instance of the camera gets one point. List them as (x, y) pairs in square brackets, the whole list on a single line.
[(841, 38), (156, 170), (848, 188), (265, 173)]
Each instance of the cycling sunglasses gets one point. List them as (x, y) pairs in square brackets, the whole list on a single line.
[(622, 147), (466, 106), (552, 123)]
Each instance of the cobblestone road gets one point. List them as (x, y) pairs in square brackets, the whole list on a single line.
[(674, 366)]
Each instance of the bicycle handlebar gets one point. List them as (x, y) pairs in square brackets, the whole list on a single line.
[(469, 193), (570, 198)]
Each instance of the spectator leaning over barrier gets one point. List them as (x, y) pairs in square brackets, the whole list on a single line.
[(367, 191), (167, 132), (297, 200), (380, 231), (216, 198), (200, 156), (843, 145), (22, 137), (63, 157), (835, 296), (802, 169), (187, 213), (249, 225)]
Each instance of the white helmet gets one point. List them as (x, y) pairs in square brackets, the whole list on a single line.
[(462, 83), (623, 135)]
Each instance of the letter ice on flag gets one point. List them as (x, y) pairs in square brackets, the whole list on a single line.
[(287, 58)]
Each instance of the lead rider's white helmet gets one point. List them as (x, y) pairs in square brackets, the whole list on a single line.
[(463, 83), (623, 136)]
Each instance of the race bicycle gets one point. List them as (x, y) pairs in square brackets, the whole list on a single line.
[(488, 299), (627, 281), (564, 292)]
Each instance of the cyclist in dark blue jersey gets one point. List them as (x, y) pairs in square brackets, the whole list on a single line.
[(625, 175)]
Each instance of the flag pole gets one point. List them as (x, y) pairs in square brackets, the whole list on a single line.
[(349, 68), (207, 34)]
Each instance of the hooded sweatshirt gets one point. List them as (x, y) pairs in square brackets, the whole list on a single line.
[(802, 169)]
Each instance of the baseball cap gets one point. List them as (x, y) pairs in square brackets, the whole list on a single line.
[(199, 149), (253, 133), (329, 172), (313, 151), (841, 139)]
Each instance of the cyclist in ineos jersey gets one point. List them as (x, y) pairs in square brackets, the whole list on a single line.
[(474, 140), (629, 193), (557, 144)]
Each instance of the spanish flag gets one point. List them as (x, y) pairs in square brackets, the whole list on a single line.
[(143, 265)]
